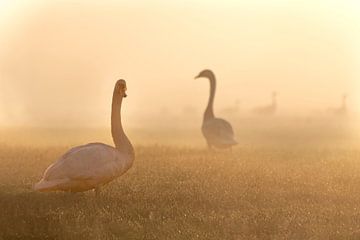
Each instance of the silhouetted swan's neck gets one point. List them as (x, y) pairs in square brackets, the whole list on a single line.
[(121, 141), (209, 112)]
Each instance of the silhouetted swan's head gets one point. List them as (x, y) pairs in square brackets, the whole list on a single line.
[(206, 74), (120, 87)]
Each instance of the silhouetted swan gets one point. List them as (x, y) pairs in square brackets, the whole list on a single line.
[(90, 166), (342, 109), (217, 132), (269, 109)]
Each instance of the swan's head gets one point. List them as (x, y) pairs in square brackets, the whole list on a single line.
[(120, 87), (206, 74)]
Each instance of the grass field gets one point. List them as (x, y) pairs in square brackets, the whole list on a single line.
[(280, 184)]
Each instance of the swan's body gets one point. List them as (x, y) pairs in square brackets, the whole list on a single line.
[(342, 110), (92, 165), (217, 132), (269, 109), (85, 167)]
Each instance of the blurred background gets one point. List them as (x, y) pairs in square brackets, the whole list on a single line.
[(59, 61)]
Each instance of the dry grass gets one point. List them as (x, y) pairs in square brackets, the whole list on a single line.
[(254, 192)]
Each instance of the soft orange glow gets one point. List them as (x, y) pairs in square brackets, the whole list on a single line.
[(59, 60)]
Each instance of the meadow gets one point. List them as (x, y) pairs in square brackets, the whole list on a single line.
[(284, 181)]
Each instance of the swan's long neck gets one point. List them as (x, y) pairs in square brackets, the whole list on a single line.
[(121, 141), (209, 112)]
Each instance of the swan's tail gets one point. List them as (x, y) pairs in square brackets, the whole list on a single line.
[(230, 142), (225, 143), (46, 186)]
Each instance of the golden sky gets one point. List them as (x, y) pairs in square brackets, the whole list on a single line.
[(59, 60)]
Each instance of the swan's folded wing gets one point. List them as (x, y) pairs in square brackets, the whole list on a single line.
[(91, 161), (219, 130)]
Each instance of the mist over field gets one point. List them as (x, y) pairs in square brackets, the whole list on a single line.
[(59, 60), (287, 81)]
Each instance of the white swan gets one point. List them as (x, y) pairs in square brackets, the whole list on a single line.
[(217, 132), (92, 165)]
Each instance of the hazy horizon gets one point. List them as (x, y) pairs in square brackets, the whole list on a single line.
[(59, 60)]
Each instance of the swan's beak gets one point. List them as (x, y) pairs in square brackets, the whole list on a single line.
[(125, 89), (197, 77)]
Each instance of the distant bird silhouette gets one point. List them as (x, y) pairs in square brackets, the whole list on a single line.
[(342, 109), (269, 109), (217, 132), (92, 165)]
